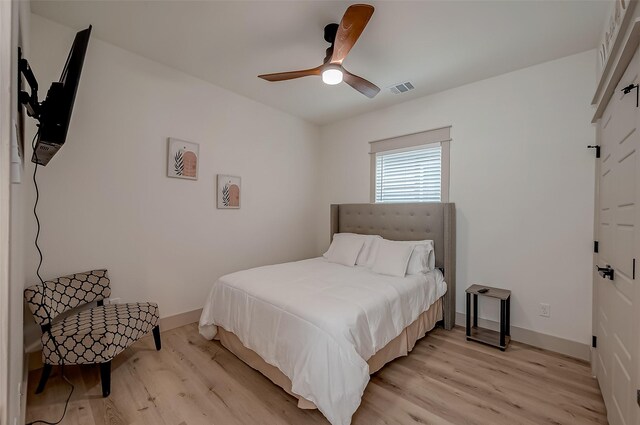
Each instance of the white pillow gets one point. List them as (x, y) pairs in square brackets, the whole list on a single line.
[(423, 258), (392, 258), (365, 257), (335, 236), (344, 251), (373, 251)]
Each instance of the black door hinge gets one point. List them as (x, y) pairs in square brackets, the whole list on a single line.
[(597, 148), (638, 397), (633, 269), (595, 247), (627, 90), (594, 341)]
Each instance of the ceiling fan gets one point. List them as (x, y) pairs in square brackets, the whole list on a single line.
[(342, 38)]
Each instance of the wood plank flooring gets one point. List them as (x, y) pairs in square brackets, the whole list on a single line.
[(444, 381)]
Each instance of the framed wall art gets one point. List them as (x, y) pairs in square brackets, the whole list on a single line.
[(182, 160), (228, 192)]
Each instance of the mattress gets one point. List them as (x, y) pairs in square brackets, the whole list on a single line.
[(318, 323), (398, 347)]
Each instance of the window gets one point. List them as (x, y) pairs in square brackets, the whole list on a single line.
[(413, 168), (409, 176)]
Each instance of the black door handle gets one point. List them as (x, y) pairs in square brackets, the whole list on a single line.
[(606, 272)]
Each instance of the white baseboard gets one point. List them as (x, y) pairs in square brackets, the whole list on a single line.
[(23, 389), (175, 321), (537, 339), (34, 357)]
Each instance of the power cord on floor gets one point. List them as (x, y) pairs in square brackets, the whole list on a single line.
[(66, 404), (55, 344)]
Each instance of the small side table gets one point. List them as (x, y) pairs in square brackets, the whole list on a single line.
[(486, 336)]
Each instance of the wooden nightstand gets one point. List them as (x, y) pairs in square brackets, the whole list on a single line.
[(486, 336)]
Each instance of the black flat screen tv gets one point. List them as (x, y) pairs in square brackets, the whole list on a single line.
[(54, 113)]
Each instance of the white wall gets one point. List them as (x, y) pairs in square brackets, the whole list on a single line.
[(17, 371), (521, 177), (8, 44), (105, 198)]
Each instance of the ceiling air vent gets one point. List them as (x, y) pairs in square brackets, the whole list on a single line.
[(401, 88)]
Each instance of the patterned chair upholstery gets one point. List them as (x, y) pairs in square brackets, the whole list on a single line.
[(91, 335)]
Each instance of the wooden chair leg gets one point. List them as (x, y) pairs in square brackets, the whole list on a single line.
[(105, 378), (46, 371), (156, 337)]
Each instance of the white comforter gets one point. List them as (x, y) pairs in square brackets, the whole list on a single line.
[(319, 323)]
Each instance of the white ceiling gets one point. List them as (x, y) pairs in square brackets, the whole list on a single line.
[(436, 45)]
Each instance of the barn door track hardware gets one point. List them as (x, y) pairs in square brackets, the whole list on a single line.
[(597, 148), (627, 90)]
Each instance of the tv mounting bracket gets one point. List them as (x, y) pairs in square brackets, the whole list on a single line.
[(30, 101)]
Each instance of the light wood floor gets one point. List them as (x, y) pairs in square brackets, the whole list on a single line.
[(445, 380)]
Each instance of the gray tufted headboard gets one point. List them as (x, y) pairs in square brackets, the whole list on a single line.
[(408, 222)]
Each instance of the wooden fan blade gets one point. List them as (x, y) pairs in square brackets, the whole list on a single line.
[(281, 76), (353, 22), (365, 87)]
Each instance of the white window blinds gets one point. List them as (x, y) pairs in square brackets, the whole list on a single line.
[(411, 168), (413, 175)]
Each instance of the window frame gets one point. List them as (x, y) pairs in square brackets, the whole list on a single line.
[(438, 136)]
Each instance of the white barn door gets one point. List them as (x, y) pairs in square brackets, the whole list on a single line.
[(617, 300)]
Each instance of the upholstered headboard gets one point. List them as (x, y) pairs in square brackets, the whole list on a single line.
[(408, 222)]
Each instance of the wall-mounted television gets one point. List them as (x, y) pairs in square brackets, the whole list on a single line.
[(54, 113)]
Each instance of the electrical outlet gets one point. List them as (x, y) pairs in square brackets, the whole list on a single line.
[(20, 388), (545, 310)]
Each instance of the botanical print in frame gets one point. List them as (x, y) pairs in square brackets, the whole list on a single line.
[(182, 160), (228, 191)]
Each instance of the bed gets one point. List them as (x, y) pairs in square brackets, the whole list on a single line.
[(319, 329)]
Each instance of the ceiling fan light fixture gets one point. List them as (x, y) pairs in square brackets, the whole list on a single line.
[(342, 37), (332, 75)]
